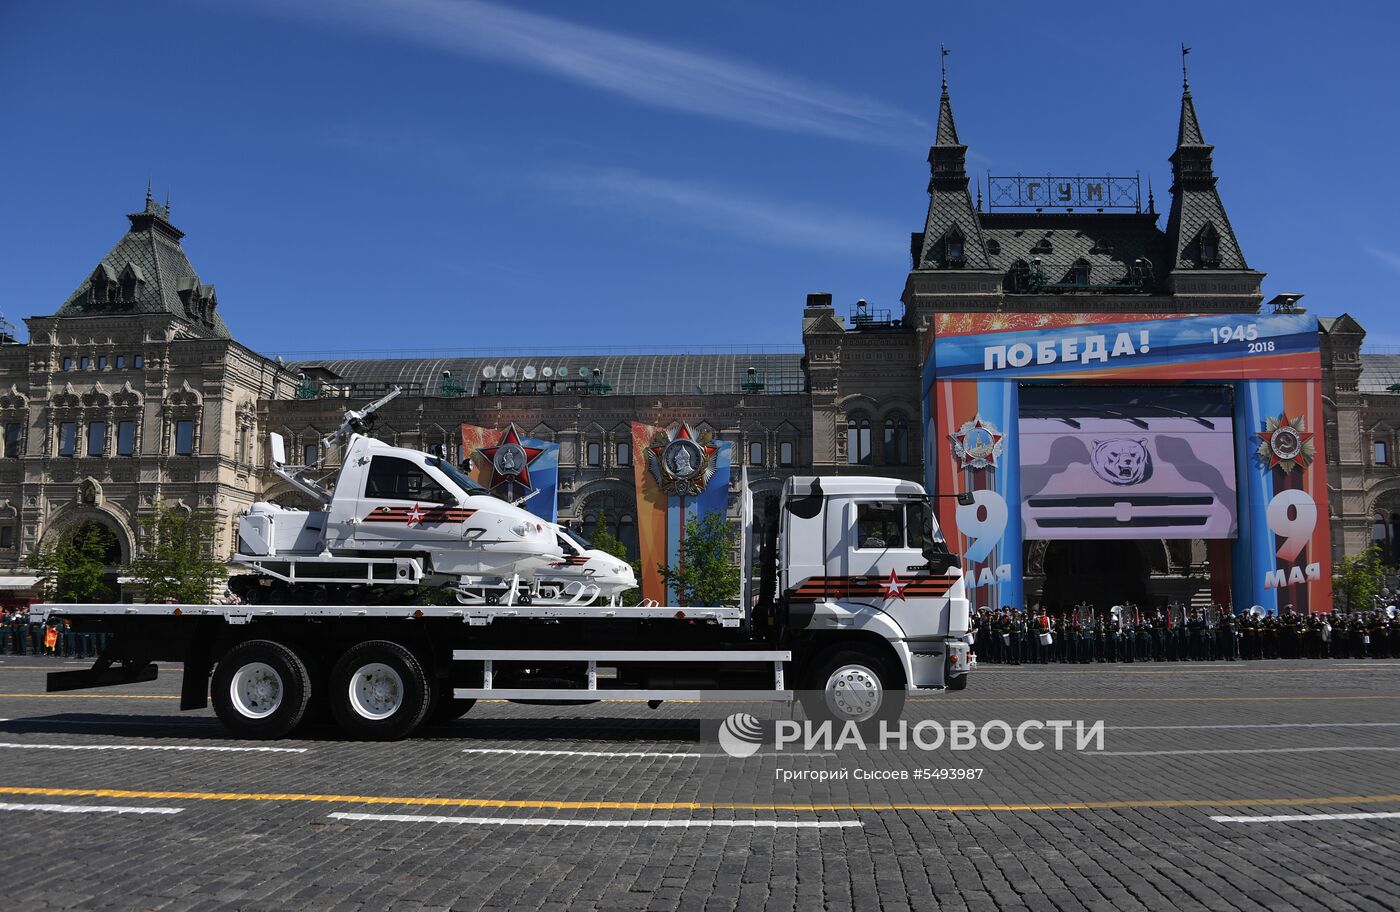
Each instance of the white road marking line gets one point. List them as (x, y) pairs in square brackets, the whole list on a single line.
[(553, 822), (613, 754), (1296, 818), (89, 808), (155, 747), (582, 753), (1242, 750), (1253, 725)]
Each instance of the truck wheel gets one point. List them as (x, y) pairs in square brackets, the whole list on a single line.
[(851, 684), (378, 691), (260, 690)]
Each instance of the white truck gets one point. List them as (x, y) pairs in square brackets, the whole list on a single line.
[(859, 602)]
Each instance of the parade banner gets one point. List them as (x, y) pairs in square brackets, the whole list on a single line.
[(1153, 465), (511, 467), (1283, 561), (680, 478)]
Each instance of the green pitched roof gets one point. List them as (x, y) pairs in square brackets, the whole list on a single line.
[(149, 273)]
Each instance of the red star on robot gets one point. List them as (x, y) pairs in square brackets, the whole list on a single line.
[(510, 460), (894, 587)]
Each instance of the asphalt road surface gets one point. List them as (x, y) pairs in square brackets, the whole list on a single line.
[(1271, 785)]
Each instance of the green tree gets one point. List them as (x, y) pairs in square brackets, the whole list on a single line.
[(73, 568), (706, 575), (1357, 579), (608, 543), (177, 559)]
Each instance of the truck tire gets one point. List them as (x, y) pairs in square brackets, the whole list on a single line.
[(379, 692), (853, 684), (260, 690)]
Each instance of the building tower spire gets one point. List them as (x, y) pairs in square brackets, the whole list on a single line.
[(1198, 229), (952, 236)]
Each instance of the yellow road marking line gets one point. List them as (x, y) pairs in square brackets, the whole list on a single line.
[(77, 696), (428, 800)]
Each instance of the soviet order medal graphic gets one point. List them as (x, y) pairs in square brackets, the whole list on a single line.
[(1285, 443), (977, 443), (682, 464), (510, 462)]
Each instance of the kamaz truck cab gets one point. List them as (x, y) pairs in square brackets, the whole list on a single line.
[(863, 564)]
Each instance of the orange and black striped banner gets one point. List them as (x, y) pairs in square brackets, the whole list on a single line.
[(818, 588), (427, 515)]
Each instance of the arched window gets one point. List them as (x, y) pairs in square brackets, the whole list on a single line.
[(896, 441), (1385, 535), (607, 512), (595, 453), (1210, 246), (953, 249), (627, 534), (755, 452), (1381, 451), (858, 441), (9, 528), (785, 454)]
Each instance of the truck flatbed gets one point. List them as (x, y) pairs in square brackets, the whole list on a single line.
[(474, 615)]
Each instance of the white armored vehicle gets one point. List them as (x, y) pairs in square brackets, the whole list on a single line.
[(397, 517)]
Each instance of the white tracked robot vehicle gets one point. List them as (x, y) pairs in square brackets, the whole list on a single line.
[(397, 518)]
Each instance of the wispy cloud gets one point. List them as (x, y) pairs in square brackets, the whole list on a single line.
[(1388, 257), (762, 220), (643, 70)]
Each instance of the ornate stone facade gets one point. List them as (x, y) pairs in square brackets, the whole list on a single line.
[(134, 392)]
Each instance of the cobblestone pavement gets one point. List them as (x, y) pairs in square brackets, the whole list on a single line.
[(616, 806)]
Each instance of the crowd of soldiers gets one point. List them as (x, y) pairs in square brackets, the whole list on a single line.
[(1129, 634), (18, 636)]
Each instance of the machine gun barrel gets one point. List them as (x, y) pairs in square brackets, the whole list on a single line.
[(354, 420)]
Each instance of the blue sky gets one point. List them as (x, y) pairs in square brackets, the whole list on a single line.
[(413, 174)]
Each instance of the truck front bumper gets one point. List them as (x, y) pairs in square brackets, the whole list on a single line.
[(933, 662)]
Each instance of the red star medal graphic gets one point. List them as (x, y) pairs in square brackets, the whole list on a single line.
[(1286, 442), (894, 587), (415, 516), (510, 460), (977, 443)]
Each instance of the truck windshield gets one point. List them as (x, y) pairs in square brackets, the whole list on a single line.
[(579, 541), (452, 472)]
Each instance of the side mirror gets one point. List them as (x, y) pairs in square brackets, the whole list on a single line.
[(940, 561), (279, 449), (809, 505)]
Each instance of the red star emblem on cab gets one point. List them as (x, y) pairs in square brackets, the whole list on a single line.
[(893, 587), (415, 516)]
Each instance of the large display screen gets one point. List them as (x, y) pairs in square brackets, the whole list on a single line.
[(1127, 461)]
